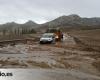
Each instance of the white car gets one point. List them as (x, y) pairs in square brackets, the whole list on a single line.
[(47, 38)]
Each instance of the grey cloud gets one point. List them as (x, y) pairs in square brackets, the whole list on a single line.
[(45, 10)]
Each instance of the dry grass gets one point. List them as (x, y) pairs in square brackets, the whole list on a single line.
[(90, 39)]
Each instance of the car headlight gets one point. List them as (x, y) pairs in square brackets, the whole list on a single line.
[(56, 37), (41, 39)]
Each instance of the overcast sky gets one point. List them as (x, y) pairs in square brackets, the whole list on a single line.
[(42, 11)]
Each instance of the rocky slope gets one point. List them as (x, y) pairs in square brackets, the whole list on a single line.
[(74, 20)]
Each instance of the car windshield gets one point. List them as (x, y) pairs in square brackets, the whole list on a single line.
[(47, 36)]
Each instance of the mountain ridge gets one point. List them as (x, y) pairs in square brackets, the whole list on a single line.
[(72, 20)]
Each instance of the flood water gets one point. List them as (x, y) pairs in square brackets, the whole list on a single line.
[(46, 74)]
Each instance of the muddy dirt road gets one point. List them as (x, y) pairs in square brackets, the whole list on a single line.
[(58, 61)]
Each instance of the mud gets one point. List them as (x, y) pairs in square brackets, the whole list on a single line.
[(61, 56)]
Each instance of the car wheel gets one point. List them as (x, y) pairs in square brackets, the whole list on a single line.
[(40, 42)]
